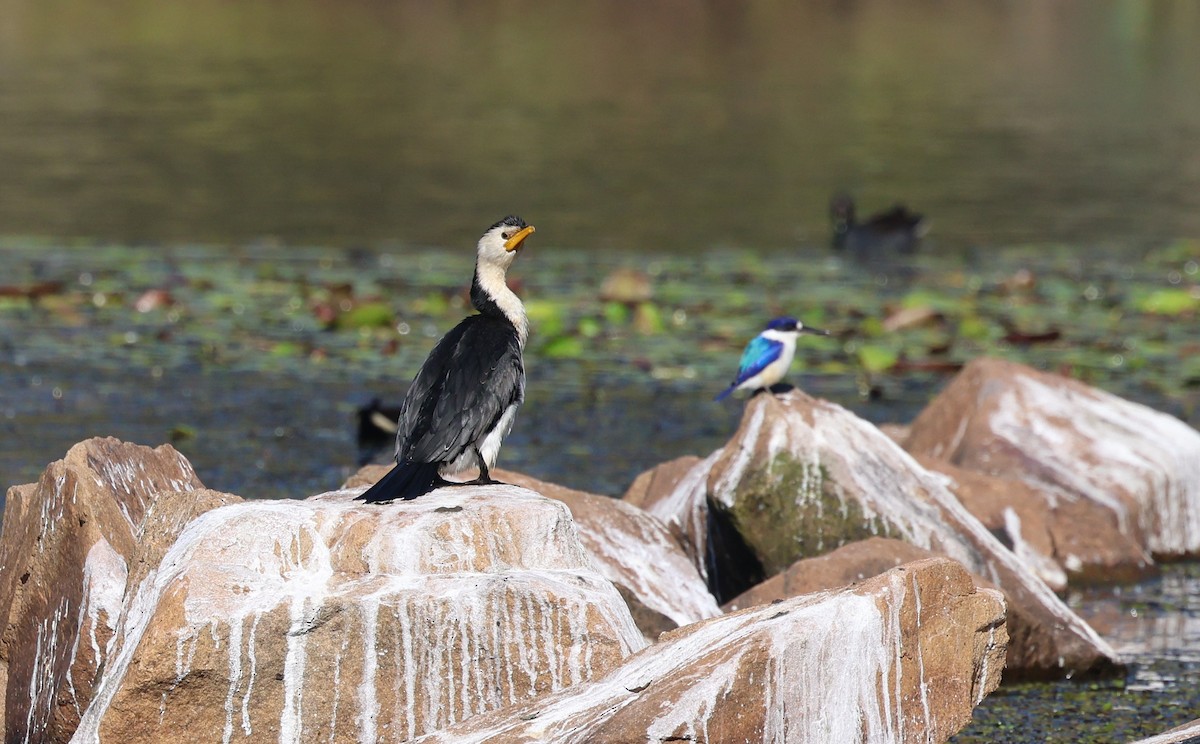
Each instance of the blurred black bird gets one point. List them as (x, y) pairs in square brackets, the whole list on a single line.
[(463, 400), (376, 429), (895, 231)]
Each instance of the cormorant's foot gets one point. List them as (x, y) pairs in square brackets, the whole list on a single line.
[(480, 481)]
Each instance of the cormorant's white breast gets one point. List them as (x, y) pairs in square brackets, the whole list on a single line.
[(462, 402)]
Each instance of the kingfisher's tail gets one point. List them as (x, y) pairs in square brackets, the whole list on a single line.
[(406, 481), (725, 393)]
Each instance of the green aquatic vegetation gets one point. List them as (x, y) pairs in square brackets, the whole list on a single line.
[(875, 358), (648, 320), (320, 311), (366, 315), (934, 298), (616, 313), (975, 328), (589, 327), (1169, 301), (562, 347), (548, 316)]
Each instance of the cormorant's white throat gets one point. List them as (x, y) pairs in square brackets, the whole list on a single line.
[(463, 400)]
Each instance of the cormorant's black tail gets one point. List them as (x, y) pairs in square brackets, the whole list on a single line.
[(405, 481)]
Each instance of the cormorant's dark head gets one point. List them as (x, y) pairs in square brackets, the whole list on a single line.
[(500, 244), (841, 211), (787, 324)]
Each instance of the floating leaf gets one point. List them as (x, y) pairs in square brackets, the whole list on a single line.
[(286, 349), (910, 316), (589, 327), (433, 303), (647, 319), (563, 347), (974, 328), (1169, 301), (876, 358), (546, 316), (616, 313), (626, 285), (368, 315)]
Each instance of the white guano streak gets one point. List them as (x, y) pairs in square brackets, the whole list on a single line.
[(913, 501), (1151, 456)]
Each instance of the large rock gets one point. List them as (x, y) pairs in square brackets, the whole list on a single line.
[(1135, 465), (1189, 733), (904, 657), (849, 564), (629, 547), (1058, 539), (802, 477), (636, 552), (649, 491), (65, 555), (859, 561), (333, 620), (667, 492)]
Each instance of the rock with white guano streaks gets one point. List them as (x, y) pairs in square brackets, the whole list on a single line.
[(65, 554), (802, 477), (1077, 444), (629, 546), (333, 620), (903, 657)]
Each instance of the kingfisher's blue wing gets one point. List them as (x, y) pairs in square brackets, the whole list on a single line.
[(759, 353)]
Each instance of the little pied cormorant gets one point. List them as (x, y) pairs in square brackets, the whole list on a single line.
[(768, 355), (462, 402)]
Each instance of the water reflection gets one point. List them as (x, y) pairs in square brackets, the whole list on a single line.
[(625, 126), (1156, 625)]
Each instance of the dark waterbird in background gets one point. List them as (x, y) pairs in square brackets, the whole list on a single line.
[(768, 355), (462, 402), (376, 429), (895, 231)]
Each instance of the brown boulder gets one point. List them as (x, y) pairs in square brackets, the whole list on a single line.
[(333, 620), (652, 485), (847, 565), (636, 552), (802, 477), (628, 546), (1075, 443), (1058, 539), (858, 561), (904, 657), (64, 551), (668, 492)]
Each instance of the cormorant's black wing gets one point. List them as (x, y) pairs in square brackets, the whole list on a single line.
[(470, 378)]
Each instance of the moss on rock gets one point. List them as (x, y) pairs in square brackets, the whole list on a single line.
[(791, 510)]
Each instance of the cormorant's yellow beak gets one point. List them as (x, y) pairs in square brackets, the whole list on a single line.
[(515, 241)]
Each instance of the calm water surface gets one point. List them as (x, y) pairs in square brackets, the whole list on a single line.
[(614, 125)]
